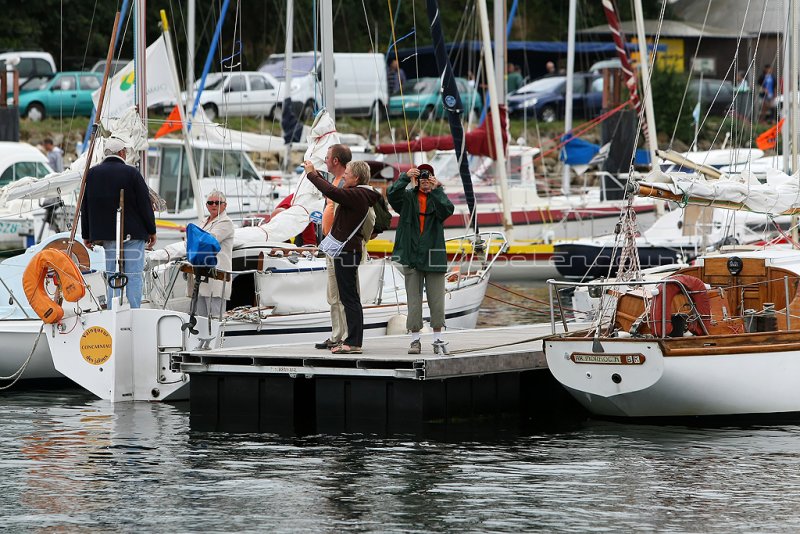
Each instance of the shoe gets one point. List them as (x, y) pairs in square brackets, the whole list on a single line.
[(346, 349), (325, 345), (440, 346), (415, 348)]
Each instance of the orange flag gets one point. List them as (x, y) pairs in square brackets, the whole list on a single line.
[(172, 124), (769, 139)]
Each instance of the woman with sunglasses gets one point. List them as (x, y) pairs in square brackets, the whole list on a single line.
[(211, 300)]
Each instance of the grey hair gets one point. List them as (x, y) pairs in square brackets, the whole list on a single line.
[(219, 194), (360, 170)]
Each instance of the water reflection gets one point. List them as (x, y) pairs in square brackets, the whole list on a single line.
[(73, 464)]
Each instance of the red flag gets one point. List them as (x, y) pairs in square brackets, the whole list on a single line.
[(172, 124), (769, 139)]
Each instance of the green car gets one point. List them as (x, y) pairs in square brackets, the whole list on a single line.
[(64, 94), (423, 98)]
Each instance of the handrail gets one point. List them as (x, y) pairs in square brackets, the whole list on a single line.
[(555, 283)]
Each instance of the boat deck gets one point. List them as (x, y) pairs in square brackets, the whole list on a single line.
[(472, 352)]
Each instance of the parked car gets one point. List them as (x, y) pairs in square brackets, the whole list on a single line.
[(716, 94), (28, 64), (360, 81), (545, 97), (422, 97), (62, 95), (20, 160), (116, 66), (240, 93)]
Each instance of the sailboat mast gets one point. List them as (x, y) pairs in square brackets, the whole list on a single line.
[(187, 142), (328, 81), (795, 111), (190, 48), (573, 6), (500, 156), (644, 62), (140, 68), (500, 49)]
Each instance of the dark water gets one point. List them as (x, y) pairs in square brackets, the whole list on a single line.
[(70, 463), (74, 464)]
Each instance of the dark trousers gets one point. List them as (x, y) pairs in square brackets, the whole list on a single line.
[(346, 270)]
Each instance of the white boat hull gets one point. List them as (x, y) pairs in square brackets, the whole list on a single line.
[(124, 355), (18, 338), (461, 312), (675, 386)]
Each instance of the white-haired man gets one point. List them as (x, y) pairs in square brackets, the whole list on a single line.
[(99, 211)]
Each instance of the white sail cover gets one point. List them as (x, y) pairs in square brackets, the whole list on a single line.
[(778, 195), (128, 128), (307, 199), (202, 129)]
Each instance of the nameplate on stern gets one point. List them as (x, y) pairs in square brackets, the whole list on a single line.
[(607, 359)]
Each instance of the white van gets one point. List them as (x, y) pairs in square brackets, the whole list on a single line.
[(360, 81), (28, 64)]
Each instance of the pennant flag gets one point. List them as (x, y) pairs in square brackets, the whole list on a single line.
[(769, 139), (172, 124), (160, 89)]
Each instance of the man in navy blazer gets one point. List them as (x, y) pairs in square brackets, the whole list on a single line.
[(99, 217)]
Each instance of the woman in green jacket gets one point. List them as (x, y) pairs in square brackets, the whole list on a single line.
[(419, 246)]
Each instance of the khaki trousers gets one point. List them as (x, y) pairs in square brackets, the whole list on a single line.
[(433, 284), (338, 319)]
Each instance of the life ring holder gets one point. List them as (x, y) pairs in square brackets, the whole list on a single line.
[(68, 278)]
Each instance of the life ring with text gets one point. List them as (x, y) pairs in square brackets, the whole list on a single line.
[(67, 277), (698, 293)]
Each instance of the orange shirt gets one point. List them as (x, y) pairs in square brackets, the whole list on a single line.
[(422, 198), (327, 212)]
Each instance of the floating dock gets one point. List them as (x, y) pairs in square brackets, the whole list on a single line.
[(492, 376)]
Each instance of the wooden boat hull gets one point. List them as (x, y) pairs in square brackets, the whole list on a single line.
[(684, 377)]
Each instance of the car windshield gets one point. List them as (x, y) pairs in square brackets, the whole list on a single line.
[(301, 65), (213, 82), (420, 86), (35, 83), (542, 85)]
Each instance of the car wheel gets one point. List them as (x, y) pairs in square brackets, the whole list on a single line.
[(35, 112), (211, 111), (548, 114)]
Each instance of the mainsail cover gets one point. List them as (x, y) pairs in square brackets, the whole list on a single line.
[(306, 200), (780, 195), (128, 128)]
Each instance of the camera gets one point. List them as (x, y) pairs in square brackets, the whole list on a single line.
[(424, 175)]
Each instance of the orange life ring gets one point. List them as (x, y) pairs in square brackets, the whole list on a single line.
[(697, 292), (67, 276)]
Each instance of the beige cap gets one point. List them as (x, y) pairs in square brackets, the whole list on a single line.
[(113, 145)]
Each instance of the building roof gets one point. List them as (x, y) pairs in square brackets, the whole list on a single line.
[(670, 28), (735, 15)]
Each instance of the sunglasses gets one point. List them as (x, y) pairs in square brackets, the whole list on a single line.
[(214, 202)]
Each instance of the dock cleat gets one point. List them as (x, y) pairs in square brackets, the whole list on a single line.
[(440, 347)]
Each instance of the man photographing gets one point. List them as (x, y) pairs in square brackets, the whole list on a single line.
[(419, 247)]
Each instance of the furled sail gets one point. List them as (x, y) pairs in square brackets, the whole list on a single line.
[(780, 195)]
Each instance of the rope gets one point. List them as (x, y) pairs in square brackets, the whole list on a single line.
[(522, 295), (15, 376), (535, 310), (530, 340)]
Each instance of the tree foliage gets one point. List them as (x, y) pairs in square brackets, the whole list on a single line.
[(76, 32)]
